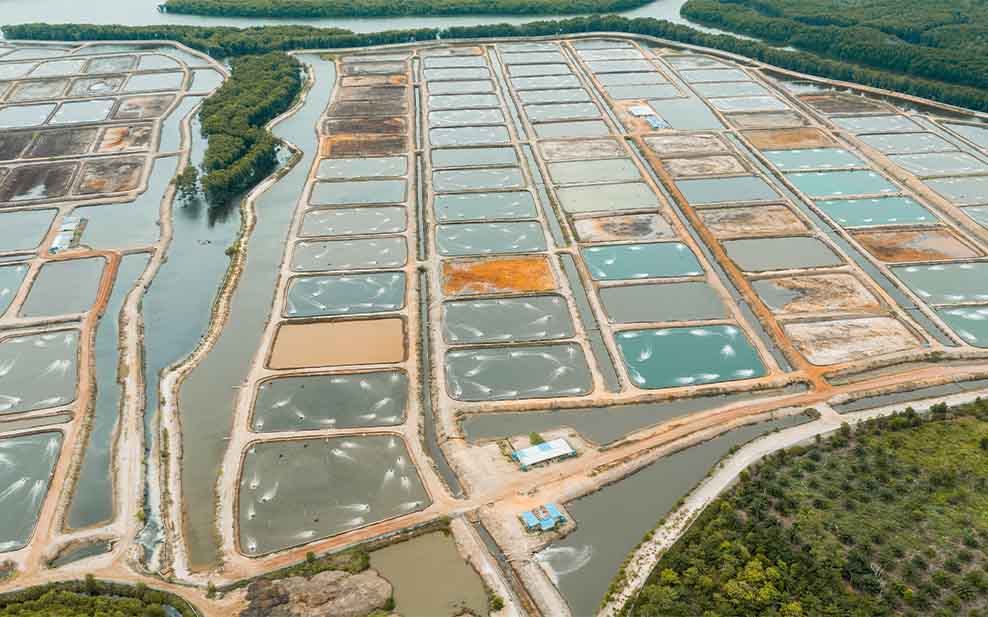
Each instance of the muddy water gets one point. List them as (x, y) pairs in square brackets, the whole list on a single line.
[(24, 477), (64, 287), (444, 589), (23, 230), (613, 520), (676, 357), (666, 302), (962, 191), (606, 170), (331, 401), (497, 374), (92, 499), (761, 255), (345, 294), (485, 207), (293, 492), (877, 212), (39, 370), (338, 343), (531, 318), (79, 553), (947, 283), (489, 238), (11, 278), (624, 262), (207, 396), (607, 197)]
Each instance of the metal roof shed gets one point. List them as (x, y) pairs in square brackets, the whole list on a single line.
[(550, 450)]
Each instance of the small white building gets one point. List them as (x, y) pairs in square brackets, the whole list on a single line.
[(543, 453)]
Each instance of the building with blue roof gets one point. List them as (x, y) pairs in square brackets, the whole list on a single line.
[(543, 518)]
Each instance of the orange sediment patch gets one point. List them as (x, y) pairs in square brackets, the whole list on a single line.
[(915, 245), (362, 145), (789, 138), (497, 275), (338, 343)]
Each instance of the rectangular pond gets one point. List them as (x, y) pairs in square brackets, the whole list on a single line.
[(958, 283), (562, 111), (354, 221), (39, 371), (338, 343), (357, 192), (64, 287), (365, 167), (605, 170), (730, 89), (877, 124), (651, 91), (940, 163), (463, 101), (623, 227), (969, 322), (547, 82), (11, 278), (468, 136), (508, 205), (473, 157), (607, 197), (83, 111), (623, 262), (456, 74), (723, 190), (560, 130), (536, 70), (284, 502), (345, 294), (28, 464), (677, 357), (503, 320), (461, 87), (465, 117), (835, 183), (973, 133), (464, 239), (765, 254), (619, 66), (349, 254), (695, 76), (512, 373), (907, 143), (748, 103), (456, 180), (855, 213), (571, 95), (319, 402), (813, 158), (962, 191), (689, 301), (686, 114), (642, 78), (496, 275)]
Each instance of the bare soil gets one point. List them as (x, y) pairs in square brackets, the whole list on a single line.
[(624, 227), (580, 149), (915, 245), (772, 120), (45, 181), (63, 142), (824, 293), (750, 221), (130, 137), (845, 340), (338, 146), (139, 107), (366, 126), (789, 139), (704, 166), (12, 144), (338, 343), (372, 93), (111, 175), (698, 143), (842, 103)]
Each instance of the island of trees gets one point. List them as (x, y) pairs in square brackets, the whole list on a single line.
[(389, 8), (91, 598), (888, 519)]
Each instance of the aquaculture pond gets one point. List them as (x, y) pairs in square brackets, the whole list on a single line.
[(907, 143), (813, 158), (335, 169), (689, 301), (472, 157), (969, 322), (612, 521), (452, 180), (358, 192), (293, 492), (23, 230), (974, 133), (585, 172), (877, 212), (676, 357), (690, 114), (349, 254), (530, 318), (485, 206), (449, 586), (640, 261), (11, 278), (607, 197), (956, 283), (940, 163), (345, 294), (39, 370), (340, 400), (835, 183), (28, 463), (508, 373), (489, 238), (719, 190), (559, 130), (877, 124), (64, 288), (354, 221), (338, 343), (763, 254), (962, 191)]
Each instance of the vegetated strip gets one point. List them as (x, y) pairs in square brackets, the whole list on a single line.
[(92, 597), (241, 151), (385, 8), (886, 519), (226, 41)]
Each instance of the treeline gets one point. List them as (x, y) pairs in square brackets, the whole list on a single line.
[(92, 598), (886, 519), (903, 36), (395, 8), (240, 150), (231, 41)]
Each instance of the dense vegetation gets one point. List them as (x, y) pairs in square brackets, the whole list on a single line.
[(91, 598), (233, 41), (888, 519), (945, 41), (241, 151), (382, 8)]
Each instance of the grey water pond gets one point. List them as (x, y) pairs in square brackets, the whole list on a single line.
[(689, 114), (23, 230), (877, 124), (343, 168), (605, 170), (28, 463), (349, 254), (357, 192), (907, 143), (644, 303), (572, 95), (465, 117), (530, 318), (453, 180), (607, 197), (470, 135), (489, 238), (509, 373), (461, 87), (343, 400), (64, 287), (294, 492), (764, 254), (559, 130), (939, 163), (813, 158), (952, 283), (345, 294), (11, 278), (354, 221), (463, 101), (649, 91), (640, 261), (472, 157), (694, 76), (485, 206), (720, 190), (38, 370), (562, 111), (962, 191)]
